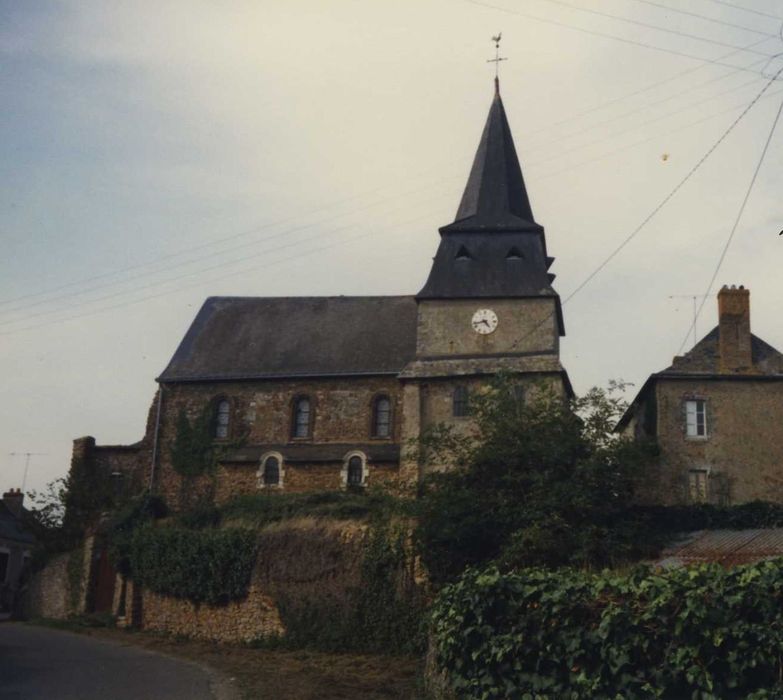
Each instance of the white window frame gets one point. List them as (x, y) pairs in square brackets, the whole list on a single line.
[(696, 419), (262, 466), (344, 470)]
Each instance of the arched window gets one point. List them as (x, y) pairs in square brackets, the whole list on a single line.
[(355, 471), (222, 419), (302, 417), (459, 406), (381, 417), (271, 474)]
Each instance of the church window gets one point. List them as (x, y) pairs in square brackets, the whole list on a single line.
[(696, 418), (514, 254), (697, 485), (302, 418), (381, 417), (222, 419), (355, 471), (463, 254), (460, 407), (271, 473)]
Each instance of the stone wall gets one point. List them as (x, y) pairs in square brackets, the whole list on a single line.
[(742, 452), (50, 593)]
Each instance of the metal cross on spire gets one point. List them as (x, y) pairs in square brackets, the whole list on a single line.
[(498, 58)]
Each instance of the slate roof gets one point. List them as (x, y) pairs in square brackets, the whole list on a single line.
[(495, 197), (12, 528), (262, 337)]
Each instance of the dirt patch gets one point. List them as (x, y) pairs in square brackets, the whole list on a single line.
[(289, 675)]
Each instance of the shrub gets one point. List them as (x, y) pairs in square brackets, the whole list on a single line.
[(703, 632), (210, 566)]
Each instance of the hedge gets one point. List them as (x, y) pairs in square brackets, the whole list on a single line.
[(210, 566), (702, 632)]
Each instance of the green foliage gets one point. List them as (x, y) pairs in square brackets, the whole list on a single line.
[(135, 514), (259, 509), (541, 481), (702, 633), (192, 452), (383, 614), (210, 566), (75, 576)]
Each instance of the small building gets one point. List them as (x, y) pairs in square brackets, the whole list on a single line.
[(16, 547), (717, 415)]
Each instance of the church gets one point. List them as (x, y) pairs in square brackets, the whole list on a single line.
[(325, 393)]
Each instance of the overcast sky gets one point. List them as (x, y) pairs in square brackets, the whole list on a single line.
[(154, 153)]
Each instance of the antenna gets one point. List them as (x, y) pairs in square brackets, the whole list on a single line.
[(695, 312), (498, 58), (27, 456)]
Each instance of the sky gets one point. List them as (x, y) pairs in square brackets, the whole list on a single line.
[(155, 153)]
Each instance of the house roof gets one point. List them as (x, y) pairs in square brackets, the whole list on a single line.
[(12, 527), (495, 196), (262, 337), (703, 362), (726, 547)]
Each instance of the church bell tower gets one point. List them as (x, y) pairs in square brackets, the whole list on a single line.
[(488, 304)]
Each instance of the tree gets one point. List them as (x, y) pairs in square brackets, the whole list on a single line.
[(540, 481)]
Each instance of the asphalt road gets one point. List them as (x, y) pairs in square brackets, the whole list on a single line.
[(38, 662)]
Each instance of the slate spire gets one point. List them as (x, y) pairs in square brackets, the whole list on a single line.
[(495, 196)]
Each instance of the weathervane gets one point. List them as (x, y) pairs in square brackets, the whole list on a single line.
[(498, 58)]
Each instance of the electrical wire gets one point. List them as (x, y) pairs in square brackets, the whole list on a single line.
[(744, 9), (604, 35), (703, 17), (654, 212), (726, 245)]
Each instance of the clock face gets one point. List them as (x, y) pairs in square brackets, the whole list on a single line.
[(484, 321)]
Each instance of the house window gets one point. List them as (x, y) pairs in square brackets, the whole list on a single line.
[(355, 471), (302, 417), (696, 418), (381, 417), (222, 419), (697, 485), (459, 406), (271, 475)]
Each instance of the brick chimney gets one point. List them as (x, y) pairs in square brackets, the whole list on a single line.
[(734, 350), (13, 500)]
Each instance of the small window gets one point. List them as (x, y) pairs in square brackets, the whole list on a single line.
[(381, 417), (463, 254), (222, 419), (696, 418), (302, 418), (460, 407), (271, 475), (355, 471), (697, 485), (514, 254)]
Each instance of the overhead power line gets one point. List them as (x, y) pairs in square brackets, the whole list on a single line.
[(655, 210), (604, 35), (744, 9), (678, 11), (740, 212)]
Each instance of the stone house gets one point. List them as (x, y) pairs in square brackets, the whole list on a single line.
[(716, 414), (324, 393), (16, 548)]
